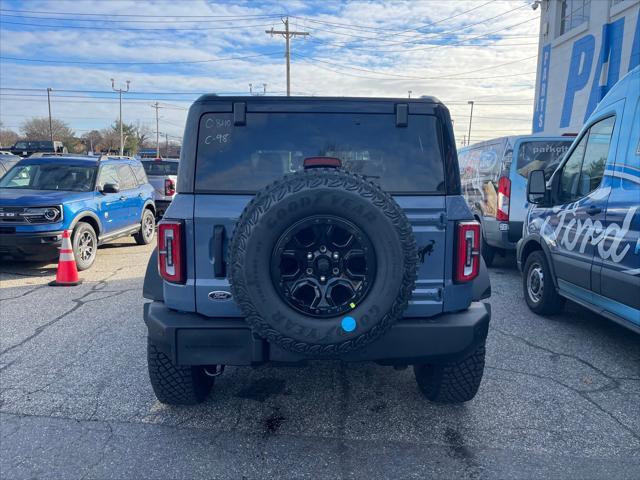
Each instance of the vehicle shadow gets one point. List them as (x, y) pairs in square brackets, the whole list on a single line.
[(27, 268)]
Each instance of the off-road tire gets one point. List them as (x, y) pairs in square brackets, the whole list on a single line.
[(285, 202), (83, 229), (144, 236), (456, 382), (176, 385), (551, 301)]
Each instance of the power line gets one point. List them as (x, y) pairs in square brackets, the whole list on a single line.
[(433, 36), (139, 101), (450, 44), (443, 76), (136, 15), (352, 26), (161, 21), (396, 77), (130, 29), (181, 62)]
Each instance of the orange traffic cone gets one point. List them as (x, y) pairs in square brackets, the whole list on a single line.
[(67, 275)]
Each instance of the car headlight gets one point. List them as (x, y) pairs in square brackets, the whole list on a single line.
[(42, 214)]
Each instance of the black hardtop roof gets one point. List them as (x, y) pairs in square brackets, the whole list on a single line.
[(212, 97)]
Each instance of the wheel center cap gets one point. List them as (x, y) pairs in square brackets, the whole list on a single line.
[(323, 265)]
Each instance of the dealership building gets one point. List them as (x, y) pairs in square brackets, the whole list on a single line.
[(586, 46)]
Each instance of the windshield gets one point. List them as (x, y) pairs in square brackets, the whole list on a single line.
[(50, 177), (244, 159), (545, 155), (158, 167)]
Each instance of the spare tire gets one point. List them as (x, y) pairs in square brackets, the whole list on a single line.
[(322, 262)]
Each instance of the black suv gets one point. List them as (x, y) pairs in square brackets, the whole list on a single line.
[(317, 228)]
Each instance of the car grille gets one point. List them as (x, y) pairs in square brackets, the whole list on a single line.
[(16, 215), (12, 215)]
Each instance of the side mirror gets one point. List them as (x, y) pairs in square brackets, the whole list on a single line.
[(110, 188), (537, 187)]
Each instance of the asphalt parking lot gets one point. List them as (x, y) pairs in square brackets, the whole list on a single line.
[(560, 397)]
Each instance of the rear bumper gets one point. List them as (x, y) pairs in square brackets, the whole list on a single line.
[(192, 339), (42, 245), (504, 235)]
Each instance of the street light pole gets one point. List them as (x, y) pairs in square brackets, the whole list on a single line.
[(50, 122), (470, 102), (120, 92)]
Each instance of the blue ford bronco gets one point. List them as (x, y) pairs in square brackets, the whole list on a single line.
[(97, 198), (582, 235), (317, 228)]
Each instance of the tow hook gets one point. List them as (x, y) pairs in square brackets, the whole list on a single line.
[(214, 370)]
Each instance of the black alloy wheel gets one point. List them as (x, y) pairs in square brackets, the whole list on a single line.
[(323, 266)]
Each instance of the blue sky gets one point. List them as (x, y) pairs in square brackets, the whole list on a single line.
[(173, 50)]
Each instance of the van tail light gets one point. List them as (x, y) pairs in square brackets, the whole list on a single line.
[(504, 196), (171, 256), (169, 187), (467, 262)]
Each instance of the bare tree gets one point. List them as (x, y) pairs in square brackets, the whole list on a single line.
[(7, 137), (143, 135), (110, 140), (92, 140), (38, 129)]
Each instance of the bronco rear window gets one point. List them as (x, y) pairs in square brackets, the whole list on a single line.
[(245, 158)]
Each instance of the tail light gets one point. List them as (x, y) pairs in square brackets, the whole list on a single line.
[(467, 264), (504, 196), (169, 187), (171, 257)]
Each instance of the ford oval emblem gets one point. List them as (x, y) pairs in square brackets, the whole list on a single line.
[(220, 295)]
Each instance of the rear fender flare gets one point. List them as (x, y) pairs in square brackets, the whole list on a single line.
[(152, 286), (481, 284)]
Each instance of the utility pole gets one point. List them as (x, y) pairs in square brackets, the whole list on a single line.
[(166, 137), (120, 92), (410, 91), (288, 35), (470, 102), (157, 107), (50, 122)]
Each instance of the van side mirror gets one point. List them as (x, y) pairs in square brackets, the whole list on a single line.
[(110, 188), (537, 187)]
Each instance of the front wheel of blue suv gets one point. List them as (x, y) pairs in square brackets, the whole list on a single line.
[(85, 245)]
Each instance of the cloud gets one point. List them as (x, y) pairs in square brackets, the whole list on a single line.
[(355, 49)]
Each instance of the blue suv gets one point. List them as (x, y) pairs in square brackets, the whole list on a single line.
[(97, 198), (317, 228), (582, 236)]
